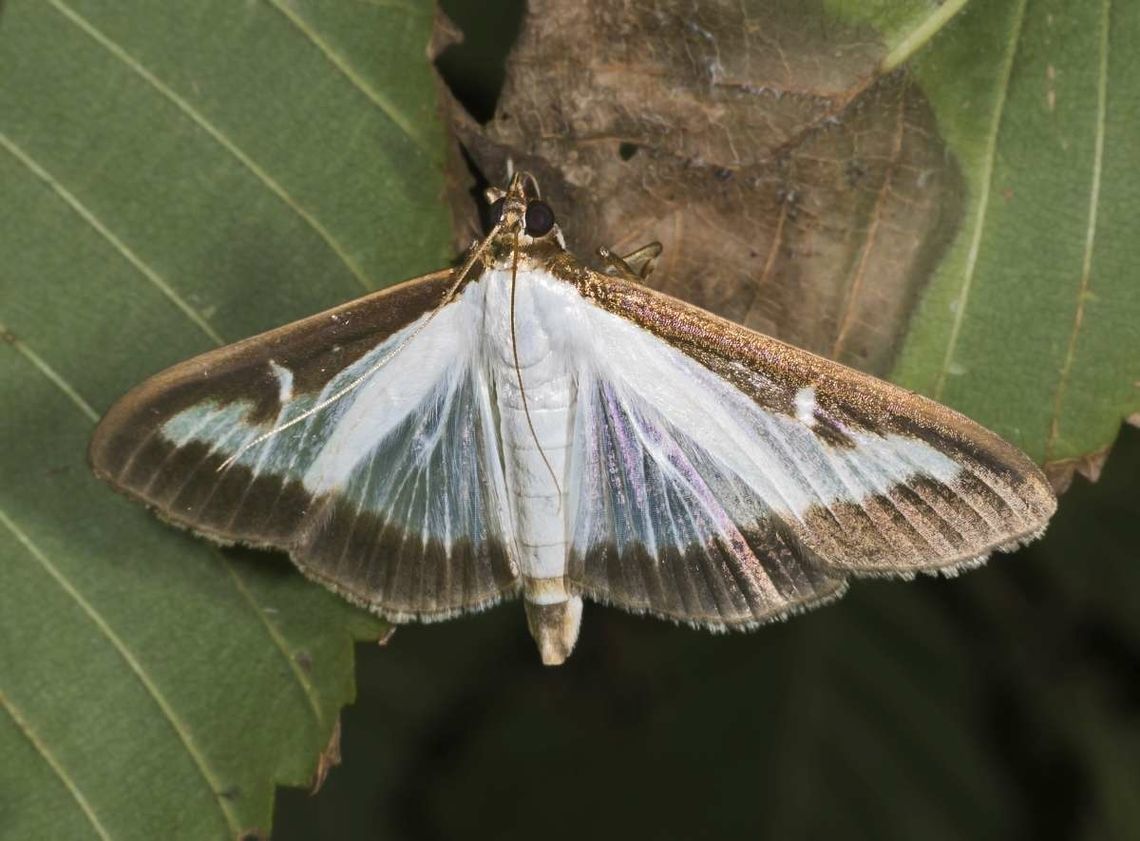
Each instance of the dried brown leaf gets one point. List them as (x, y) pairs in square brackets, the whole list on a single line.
[(330, 758), (793, 189), (1089, 466)]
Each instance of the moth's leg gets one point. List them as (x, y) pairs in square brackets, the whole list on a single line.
[(644, 260), (636, 265)]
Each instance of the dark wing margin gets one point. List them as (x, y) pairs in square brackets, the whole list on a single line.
[(368, 518)]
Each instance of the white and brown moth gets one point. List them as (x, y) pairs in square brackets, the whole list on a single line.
[(523, 424)]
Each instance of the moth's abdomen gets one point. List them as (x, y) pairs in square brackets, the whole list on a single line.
[(536, 467), (536, 483)]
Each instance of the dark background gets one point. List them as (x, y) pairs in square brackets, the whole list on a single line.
[(1004, 703)]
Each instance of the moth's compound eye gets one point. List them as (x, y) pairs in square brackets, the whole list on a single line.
[(539, 218), (493, 213)]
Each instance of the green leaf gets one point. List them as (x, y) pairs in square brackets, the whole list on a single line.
[(175, 176), (174, 179), (1030, 323)]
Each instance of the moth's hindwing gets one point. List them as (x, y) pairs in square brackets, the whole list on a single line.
[(352, 493)]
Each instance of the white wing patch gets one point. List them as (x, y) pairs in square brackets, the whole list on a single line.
[(284, 381), (779, 457), (415, 443), (805, 406)]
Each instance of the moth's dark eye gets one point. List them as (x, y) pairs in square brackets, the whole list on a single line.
[(493, 213), (539, 218)]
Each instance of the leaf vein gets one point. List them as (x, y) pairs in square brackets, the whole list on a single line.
[(274, 633), (769, 263), (54, 376), (917, 38), (855, 287), (180, 729), (374, 96), (91, 219), (983, 201), (56, 766), (219, 137), (1090, 237), (278, 640)]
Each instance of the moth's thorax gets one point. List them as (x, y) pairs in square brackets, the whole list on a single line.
[(527, 252)]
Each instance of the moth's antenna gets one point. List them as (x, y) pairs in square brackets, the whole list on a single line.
[(518, 373), (475, 254), (534, 188)]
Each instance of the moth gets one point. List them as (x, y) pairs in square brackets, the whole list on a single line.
[(523, 424)]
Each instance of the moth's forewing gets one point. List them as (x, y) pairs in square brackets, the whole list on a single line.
[(896, 483), (168, 440)]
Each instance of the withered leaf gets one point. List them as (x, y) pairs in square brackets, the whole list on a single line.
[(793, 189)]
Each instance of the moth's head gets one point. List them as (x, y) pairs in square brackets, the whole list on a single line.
[(518, 215)]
